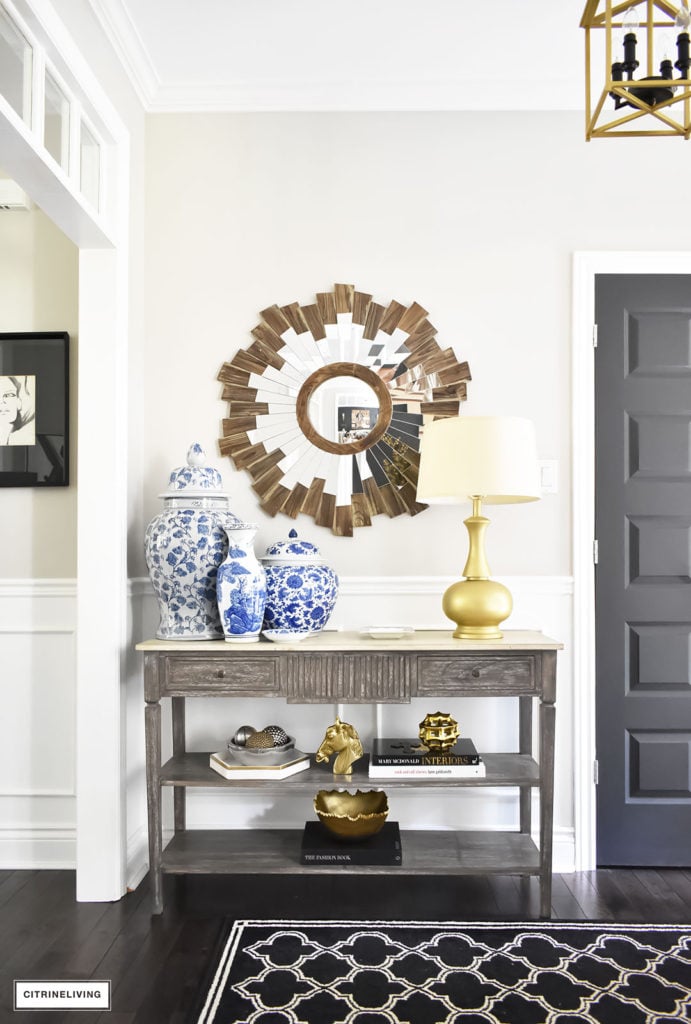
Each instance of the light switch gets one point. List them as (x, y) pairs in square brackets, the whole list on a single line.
[(549, 476)]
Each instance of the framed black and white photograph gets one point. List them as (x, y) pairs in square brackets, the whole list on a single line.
[(34, 409)]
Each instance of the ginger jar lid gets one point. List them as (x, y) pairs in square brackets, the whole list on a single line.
[(196, 480), (293, 551)]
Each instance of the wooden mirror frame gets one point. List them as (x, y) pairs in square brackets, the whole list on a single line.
[(329, 372), (296, 348)]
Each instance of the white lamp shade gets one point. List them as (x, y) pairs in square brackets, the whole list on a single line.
[(492, 457)]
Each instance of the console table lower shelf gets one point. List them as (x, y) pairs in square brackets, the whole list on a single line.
[(277, 851)]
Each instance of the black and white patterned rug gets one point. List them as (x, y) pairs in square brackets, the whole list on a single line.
[(377, 972)]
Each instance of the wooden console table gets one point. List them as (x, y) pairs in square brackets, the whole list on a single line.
[(347, 668)]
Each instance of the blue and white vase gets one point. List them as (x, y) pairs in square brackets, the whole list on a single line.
[(184, 546), (301, 588), (241, 588)]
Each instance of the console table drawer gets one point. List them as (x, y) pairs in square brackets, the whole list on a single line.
[(472, 674), (251, 677), (349, 679)]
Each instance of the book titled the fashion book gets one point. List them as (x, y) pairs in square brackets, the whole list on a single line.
[(413, 752), (319, 846), (268, 766)]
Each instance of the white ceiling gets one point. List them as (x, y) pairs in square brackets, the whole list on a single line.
[(356, 55)]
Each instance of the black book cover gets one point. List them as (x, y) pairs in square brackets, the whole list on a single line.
[(319, 846), (407, 751)]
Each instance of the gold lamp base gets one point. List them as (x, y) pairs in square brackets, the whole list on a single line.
[(477, 607), (477, 604)]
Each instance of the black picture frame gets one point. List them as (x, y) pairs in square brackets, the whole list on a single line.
[(34, 384)]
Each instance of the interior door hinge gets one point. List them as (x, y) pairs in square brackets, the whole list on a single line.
[(596, 552), (594, 335), (596, 772)]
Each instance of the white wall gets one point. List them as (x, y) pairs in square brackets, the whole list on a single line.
[(39, 292)]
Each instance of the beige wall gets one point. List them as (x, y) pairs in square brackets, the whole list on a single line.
[(39, 292), (476, 216)]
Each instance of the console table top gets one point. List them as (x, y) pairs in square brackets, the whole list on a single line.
[(347, 640)]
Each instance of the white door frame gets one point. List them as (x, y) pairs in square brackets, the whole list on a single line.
[(586, 265), (101, 471)]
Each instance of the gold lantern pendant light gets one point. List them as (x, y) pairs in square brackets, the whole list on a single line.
[(649, 38)]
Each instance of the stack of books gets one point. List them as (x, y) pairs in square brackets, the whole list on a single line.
[(266, 765), (407, 758), (319, 846)]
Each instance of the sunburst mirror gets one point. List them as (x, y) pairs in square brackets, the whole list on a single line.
[(328, 403)]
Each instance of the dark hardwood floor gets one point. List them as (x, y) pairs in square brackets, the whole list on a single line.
[(155, 964)]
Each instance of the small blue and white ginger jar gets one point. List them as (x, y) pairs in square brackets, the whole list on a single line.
[(301, 589), (241, 588), (184, 546)]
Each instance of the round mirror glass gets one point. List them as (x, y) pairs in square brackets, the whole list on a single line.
[(343, 409)]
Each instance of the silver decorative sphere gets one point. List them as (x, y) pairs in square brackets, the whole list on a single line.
[(279, 735), (243, 734)]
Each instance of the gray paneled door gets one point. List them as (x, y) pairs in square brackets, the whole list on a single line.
[(643, 575)]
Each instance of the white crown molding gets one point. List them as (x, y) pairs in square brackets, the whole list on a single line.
[(116, 22), (403, 95), (424, 94)]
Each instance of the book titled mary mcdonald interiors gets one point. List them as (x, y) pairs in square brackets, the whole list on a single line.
[(408, 758)]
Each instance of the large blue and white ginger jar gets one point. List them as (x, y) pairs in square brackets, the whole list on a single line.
[(301, 589), (241, 588), (184, 546)]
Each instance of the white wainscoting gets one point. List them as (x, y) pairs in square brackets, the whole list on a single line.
[(37, 753), (543, 603), (37, 756)]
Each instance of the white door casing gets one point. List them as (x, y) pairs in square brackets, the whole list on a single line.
[(586, 265), (103, 240)]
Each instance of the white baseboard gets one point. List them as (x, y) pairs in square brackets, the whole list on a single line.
[(38, 848), (137, 857)]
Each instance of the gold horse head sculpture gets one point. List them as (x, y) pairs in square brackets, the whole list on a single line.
[(341, 738)]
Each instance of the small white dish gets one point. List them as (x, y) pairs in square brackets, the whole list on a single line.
[(287, 636), (387, 632)]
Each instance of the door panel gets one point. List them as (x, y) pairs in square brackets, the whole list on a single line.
[(643, 575)]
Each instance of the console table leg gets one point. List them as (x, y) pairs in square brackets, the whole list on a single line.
[(179, 792), (547, 720), (525, 746), (152, 727)]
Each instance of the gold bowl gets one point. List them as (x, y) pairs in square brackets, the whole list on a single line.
[(351, 815)]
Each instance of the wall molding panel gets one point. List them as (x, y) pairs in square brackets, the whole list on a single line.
[(37, 757)]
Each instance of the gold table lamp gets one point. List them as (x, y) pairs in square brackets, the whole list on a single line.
[(490, 459)]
